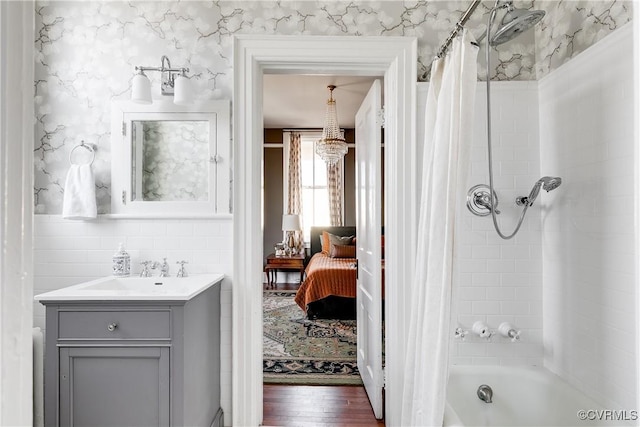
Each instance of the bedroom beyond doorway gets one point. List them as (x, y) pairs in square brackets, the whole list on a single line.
[(295, 105)]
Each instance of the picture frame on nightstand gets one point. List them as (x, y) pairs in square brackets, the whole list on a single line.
[(279, 249)]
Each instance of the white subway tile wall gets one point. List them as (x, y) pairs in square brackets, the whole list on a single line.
[(586, 122), (501, 280), (70, 252)]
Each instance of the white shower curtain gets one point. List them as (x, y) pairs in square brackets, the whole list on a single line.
[(448, 130)]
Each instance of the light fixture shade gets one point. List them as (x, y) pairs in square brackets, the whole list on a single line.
[(291, 222), (331, 147), (182, 95), (141, 89)]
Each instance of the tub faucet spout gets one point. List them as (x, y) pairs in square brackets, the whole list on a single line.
[(485, 393)]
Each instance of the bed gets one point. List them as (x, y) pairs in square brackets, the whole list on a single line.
[(329, 289)]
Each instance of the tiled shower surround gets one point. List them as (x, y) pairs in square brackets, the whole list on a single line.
[(500, 280), (567, 280), (589, 283), (86, 52)]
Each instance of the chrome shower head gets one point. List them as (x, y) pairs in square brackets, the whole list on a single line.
[(515, 22), (547, 183), (550, 182)]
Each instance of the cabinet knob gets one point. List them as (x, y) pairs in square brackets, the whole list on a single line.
[(112, 327)]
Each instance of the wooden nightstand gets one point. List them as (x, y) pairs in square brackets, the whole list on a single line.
[(275, 263)]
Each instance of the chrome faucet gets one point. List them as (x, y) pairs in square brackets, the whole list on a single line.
[(164, 268), (484, 200), (182, 272), (145, 268), (485, 393)]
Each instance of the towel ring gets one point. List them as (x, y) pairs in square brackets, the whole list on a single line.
[(87, 147)]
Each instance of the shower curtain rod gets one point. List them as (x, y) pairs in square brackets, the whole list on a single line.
[(459, 26)]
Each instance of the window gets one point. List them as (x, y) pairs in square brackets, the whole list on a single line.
[(313, 174)]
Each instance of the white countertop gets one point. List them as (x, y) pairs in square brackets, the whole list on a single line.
[(113, 288)]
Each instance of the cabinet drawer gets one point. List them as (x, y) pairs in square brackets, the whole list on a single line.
[(290, 262), (121, 325)]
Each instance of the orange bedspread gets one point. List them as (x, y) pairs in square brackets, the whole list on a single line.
[(327, 276)]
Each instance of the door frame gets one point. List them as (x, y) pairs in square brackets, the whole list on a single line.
[(17, 111), (393, 57)]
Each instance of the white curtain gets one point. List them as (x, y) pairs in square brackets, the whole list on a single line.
[(294, 196), (448, 130)]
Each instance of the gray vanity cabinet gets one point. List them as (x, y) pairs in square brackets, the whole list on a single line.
[(133, 363)]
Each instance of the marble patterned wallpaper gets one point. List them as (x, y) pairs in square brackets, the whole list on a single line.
[(572, 26), (86, 53)]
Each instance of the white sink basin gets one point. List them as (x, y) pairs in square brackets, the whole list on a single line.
[(135, 289)]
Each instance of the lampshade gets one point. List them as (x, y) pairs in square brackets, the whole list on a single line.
[(291, 223), (141, 89), (182, 91), (331, 147)]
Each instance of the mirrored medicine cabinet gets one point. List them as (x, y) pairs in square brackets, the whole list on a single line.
[(170, 161)]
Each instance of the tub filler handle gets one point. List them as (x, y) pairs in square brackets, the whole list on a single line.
[(508, 331), (460, 333), (482, 330)]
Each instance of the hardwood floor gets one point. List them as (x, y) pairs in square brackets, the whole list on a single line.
[(317, 406)]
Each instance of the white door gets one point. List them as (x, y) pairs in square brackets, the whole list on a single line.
[(369, 224)]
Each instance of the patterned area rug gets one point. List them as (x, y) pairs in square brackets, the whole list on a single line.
[(301, 351)]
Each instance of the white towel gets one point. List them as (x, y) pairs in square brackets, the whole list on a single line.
[(79, 193)]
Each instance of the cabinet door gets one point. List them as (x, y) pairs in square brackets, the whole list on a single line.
[(114, 386)]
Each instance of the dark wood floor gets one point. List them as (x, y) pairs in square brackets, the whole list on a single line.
[(317, 406), (281, 287)]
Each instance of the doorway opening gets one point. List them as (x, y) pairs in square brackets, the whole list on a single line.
[(393, 57), (310, 328)]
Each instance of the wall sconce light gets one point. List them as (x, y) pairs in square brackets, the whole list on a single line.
[(174, 81)]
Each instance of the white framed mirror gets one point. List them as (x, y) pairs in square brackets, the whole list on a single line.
[(170, 161)]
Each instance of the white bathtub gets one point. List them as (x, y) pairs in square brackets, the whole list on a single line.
[(522, 396)]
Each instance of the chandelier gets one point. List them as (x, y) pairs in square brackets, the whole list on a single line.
[(331, 147)]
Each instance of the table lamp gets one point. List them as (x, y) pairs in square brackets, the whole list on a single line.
[(291, 224)]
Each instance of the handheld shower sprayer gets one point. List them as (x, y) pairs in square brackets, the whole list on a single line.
[(547, 183), (482, 200)]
